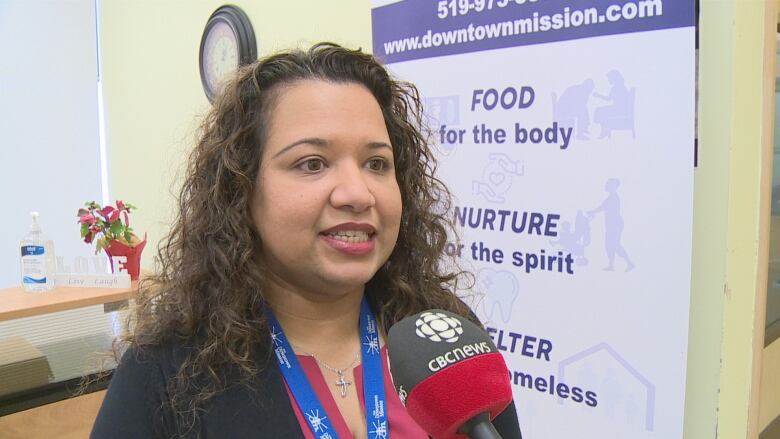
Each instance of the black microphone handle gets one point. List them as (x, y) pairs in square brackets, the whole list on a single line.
[(484, 430), (480, 427)]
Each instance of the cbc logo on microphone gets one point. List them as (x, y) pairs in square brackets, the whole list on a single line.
[(436, 326)]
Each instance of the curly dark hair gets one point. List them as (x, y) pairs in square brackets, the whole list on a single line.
[(208, 287)]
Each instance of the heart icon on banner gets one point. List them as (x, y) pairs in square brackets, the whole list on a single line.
[(497, 178)]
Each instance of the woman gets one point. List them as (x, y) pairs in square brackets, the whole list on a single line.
[(619, 107), (309, 206)]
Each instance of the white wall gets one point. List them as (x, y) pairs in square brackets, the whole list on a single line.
[(49, 141)]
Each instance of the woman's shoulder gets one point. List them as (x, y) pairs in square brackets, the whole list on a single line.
[(161, 358), (136, 403)]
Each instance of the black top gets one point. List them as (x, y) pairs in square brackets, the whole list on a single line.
[(135, 404)]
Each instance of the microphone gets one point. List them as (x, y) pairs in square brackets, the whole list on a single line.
[(449, 375)]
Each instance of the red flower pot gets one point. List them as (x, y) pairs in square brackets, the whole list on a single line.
[(133, 255)]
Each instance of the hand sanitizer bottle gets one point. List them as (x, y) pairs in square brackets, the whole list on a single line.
[(37, 259)]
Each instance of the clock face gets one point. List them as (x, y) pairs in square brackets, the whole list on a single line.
[(228, 42), (220, 54)]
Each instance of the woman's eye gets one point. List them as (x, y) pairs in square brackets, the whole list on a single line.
[(311, 165), (377, 164)]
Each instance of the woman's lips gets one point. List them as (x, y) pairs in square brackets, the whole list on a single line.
[(354, 242), (351, 238)]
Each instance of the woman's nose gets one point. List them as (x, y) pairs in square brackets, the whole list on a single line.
[(351, 189)]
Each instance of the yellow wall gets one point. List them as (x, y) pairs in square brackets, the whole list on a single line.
[(731, 218), (154, 99), (750, 169), (152, 89), (710, 218)]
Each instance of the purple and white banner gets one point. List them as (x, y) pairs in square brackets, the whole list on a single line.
[(565, 129)]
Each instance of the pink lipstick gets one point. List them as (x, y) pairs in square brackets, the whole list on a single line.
[(350, 238)]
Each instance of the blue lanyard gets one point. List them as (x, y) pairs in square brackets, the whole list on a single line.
[(373, 379)]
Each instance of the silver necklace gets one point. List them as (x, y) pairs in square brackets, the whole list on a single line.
[(340, 382)]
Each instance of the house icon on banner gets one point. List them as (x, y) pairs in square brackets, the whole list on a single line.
[(605, 354)]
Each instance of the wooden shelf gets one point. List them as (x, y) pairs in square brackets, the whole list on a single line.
[(16, 303), (70, 418)]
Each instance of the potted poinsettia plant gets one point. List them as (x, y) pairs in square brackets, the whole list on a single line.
[(109, 228)]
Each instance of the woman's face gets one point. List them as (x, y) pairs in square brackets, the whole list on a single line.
[(326, 202)]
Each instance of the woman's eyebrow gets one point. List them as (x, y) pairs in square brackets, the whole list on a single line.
[(376, 145), (316, 141)]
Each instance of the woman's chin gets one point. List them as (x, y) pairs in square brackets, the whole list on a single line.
[(345, 281), (349, 283)]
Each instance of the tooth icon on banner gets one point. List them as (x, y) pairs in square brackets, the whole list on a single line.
[(500, 289)]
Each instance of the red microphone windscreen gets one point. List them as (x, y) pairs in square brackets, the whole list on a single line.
[(447, 370), (446, 400)]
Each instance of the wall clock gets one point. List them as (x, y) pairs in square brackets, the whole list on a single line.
[(228, 42)]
